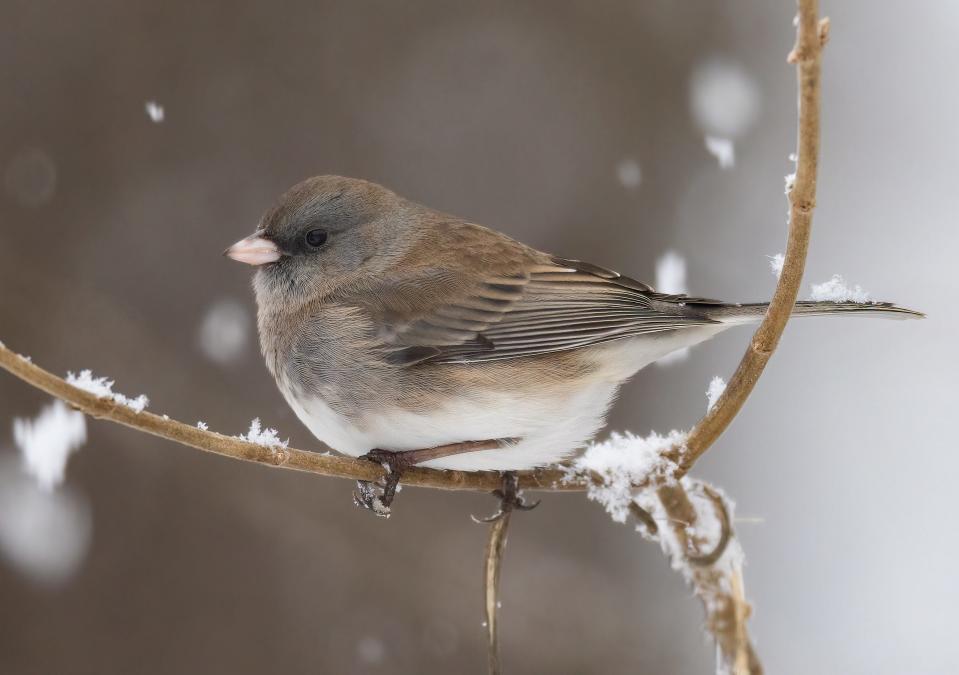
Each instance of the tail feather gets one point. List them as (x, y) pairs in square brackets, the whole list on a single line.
[(754, 311)]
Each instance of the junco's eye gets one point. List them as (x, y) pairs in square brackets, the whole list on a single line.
[(316, 238)]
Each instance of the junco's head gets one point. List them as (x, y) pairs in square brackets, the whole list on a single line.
[(323, 232)]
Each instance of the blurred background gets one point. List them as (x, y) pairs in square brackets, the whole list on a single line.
[(138, 140)]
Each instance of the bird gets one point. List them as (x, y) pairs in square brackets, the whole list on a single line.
[(392, 329)]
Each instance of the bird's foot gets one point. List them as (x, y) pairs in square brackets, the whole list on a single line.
[(510, 499), (378, 496)]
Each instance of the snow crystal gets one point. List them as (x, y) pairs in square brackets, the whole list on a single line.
[(723, 150), (835, 290), (46, 442), (202, 426), (268, 437), (671, 278), (790, 181), (716, 388), (630, 174), (776, 264), (225, 331), (101, 387), (155, 111), (622, 461)]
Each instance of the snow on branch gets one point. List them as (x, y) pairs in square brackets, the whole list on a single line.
[(103, 388)]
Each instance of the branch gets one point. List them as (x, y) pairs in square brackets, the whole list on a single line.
[(334, 466), (718, 584), (493, 563), (807, 54)]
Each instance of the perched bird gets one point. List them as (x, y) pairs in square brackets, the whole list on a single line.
[(392, 327)]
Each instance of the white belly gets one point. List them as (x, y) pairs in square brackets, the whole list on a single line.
[(549, 426), (549, 430)]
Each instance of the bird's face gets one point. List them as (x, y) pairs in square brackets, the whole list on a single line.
[(323, 233)]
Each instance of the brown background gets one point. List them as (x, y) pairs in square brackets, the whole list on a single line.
[(514, 115)]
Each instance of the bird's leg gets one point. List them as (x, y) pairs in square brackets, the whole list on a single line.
[(378, 498), (509, 499)]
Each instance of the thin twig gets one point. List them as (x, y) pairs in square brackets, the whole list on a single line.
[(807, 55), (721, 589), (316, 462), (493, 564)]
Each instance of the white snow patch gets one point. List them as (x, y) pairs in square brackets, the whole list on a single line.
[(630, 174), (155, 111), (717, 386), (101, 387), (267, 437), (622, 461), (836, 290), (46, 442), (790, 182), (723, 150), (776, 264)]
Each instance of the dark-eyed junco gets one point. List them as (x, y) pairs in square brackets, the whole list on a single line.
[(390, 325)]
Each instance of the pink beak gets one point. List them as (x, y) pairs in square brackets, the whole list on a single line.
[(254, 250)]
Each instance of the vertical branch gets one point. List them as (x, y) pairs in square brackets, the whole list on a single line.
[(493, 564), (807, 55), (716, 576)]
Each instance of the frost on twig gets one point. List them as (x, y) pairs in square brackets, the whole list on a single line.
[(622, 461), (836, 290), (717, 386), (46, 442), (101, 387), (776, 264), (268, 437), (698, 538)]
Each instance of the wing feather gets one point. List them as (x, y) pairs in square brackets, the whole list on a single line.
[(548, 307)]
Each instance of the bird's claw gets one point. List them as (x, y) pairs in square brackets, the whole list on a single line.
[(378, 496), (510, 499), (369, 495)]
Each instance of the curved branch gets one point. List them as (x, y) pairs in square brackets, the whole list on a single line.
[(285, 458), (807, 55)]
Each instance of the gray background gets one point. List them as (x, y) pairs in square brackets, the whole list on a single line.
[(515, 115)]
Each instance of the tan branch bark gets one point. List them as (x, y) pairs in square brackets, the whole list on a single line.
[(720, 587), (491, 573), (285, 458), (807, 55)]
